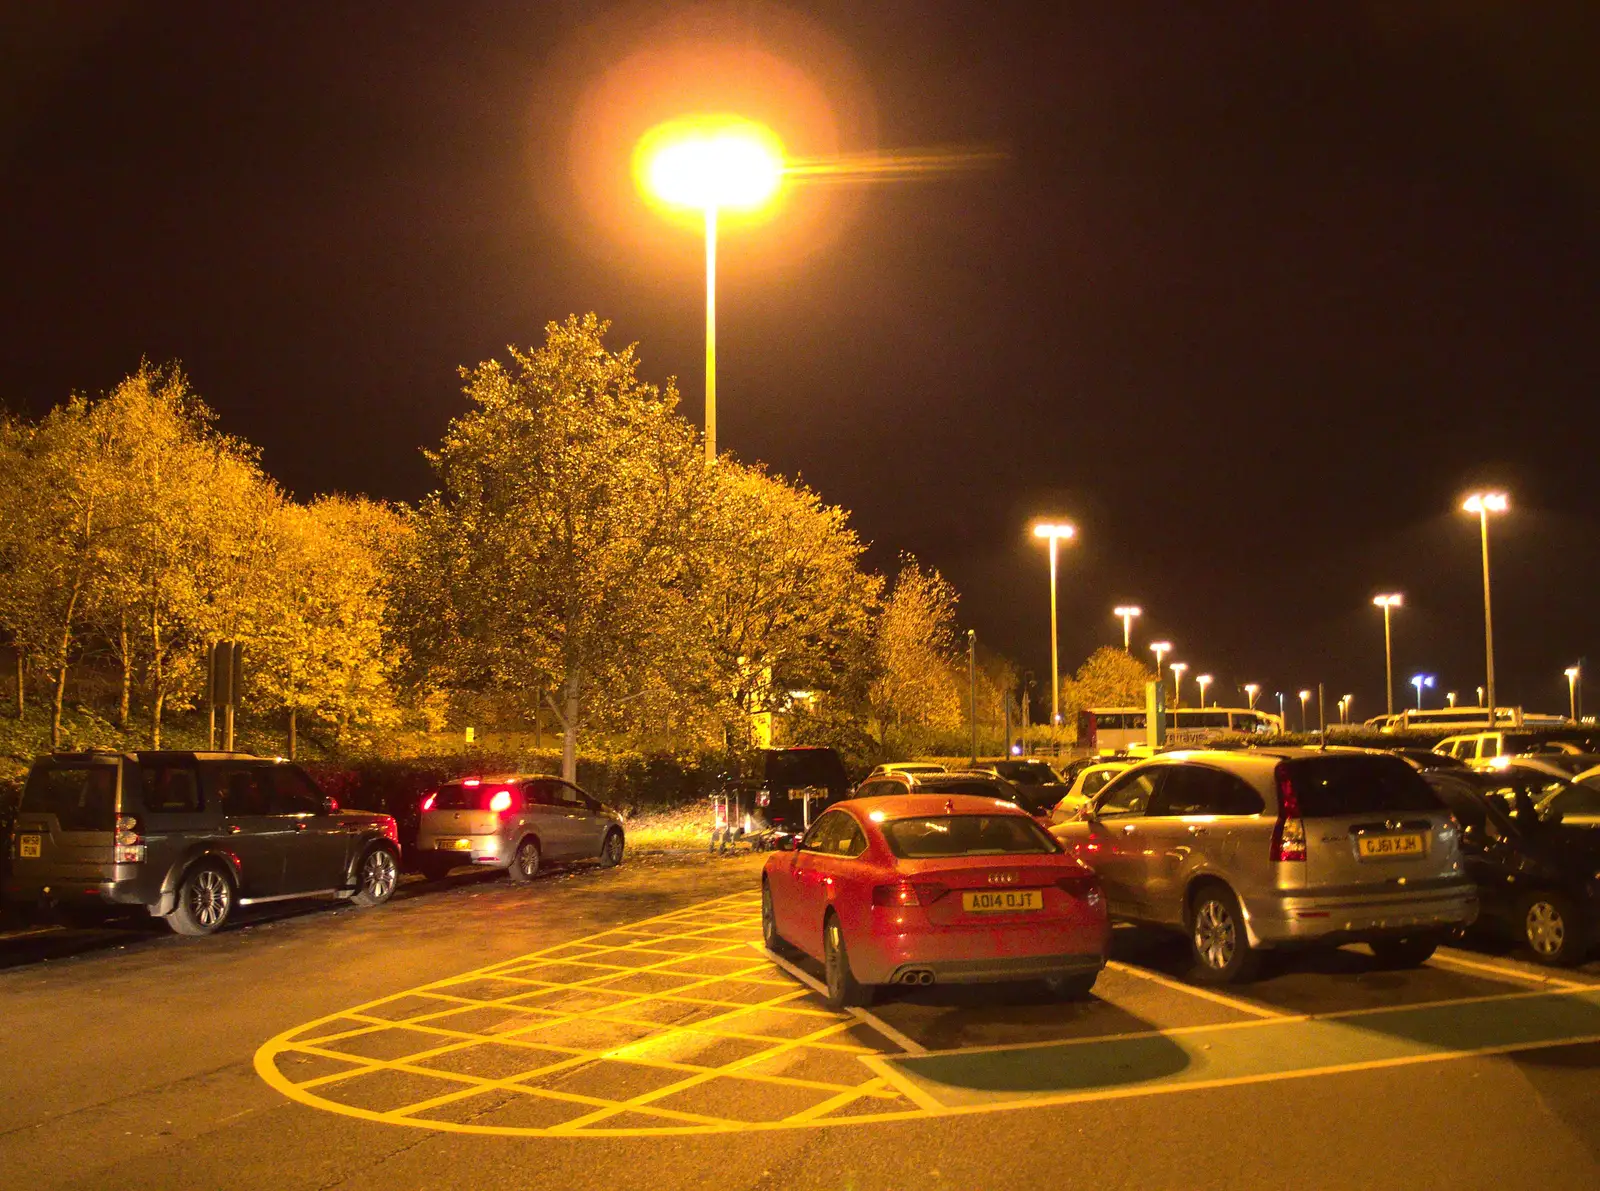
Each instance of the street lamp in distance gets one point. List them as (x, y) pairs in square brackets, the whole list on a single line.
[(1251, 690), (1177, 669), (1305, 697), (1388, 602), (1203, 680), (1482, 504), (1419, 681), (1054, 531), (1127, 612), (1450, 697), (1161, 649), (1572, 673), (710, 164)]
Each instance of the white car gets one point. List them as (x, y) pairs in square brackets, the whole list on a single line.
[(909, 767), (1089, 782)]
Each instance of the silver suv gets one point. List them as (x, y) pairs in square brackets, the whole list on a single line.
[(1253, 849), (515, 822)]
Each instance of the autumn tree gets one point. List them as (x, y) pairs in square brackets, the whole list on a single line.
[(1109, 677), (553, 558), (914, 690)]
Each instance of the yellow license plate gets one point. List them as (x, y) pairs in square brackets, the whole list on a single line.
[(456, 845), (1381, 847), (1003, 901), (28, 847)]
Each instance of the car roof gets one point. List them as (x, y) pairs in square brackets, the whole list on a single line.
[(499, 779), (905, 806)]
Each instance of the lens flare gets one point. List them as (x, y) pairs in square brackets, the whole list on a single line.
[(710, 163)]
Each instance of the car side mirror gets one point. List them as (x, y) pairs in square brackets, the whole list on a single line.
[(330, 804)]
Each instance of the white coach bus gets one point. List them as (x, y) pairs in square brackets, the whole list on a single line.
[(1115, 729)]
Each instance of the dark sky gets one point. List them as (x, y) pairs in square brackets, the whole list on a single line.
[(1253, 298)]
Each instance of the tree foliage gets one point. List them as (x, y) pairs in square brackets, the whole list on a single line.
[(1109, 677)]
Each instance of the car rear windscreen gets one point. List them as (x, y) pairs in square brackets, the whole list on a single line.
[(940, 836), (456, 797), (1333, 785), (81, 797), (795, 769)]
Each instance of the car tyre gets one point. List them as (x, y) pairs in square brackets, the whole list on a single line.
[(770, 937), (1217, 939), (377, 878), (205, 901), (1553, 928), (1071, 988), (525, 862), (611, 849), (843, 989), (433, 868), (1410, 952)]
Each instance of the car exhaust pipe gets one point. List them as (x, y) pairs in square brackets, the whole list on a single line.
[(917, 976)]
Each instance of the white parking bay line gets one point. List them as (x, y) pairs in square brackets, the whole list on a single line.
[(870, 1019), (1205, 994), (1515, 973)]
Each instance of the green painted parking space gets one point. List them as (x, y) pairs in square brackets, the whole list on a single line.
[(1248, 1051)]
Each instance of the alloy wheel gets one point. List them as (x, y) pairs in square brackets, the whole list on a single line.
[(614, 849), (1546, 929), (209, 897), (1215, 937), (528, 860), (832, 961), (379, 875)]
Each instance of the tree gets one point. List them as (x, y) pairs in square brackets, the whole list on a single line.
[(554, 557), (1109, 677), (914, 690)]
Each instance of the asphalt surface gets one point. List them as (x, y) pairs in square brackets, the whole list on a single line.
[(622, 1028)]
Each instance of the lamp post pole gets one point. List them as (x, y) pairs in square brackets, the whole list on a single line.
[(1054, 532), (1484, 503), (1388, 603), (972, 689), (711, 334)]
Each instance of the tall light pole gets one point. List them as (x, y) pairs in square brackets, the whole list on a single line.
[(1304, 697), (1484, 503), (1450, 697), (1251, 690), (1388, 603), (1204, 680), (710, 165), (972, 689), (1283, 717), (1480, 696), (1127, 612), (1177, 669), (1160, 649), (1419, 681), (1572, 690), (1054, 531)]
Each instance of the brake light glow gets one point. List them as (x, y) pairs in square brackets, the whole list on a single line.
[(471, 781), (428, 801), (500, 800), (907, 893), (390, 828), (1289, 833)]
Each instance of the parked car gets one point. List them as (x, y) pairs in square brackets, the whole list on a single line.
[(1559, 765), (924, 889), (1427, 759), (515, 821), (907, 767), (1090, 781), (1245, 850), (1538, 879), (190, 836), (1026, 771), (1486, 746)]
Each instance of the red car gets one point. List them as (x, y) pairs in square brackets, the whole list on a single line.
[(932, 888)]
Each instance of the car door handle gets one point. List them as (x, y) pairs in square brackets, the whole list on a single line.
[(1199, 831), (1127, 828)]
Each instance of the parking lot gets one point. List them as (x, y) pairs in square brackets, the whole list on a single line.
[(589, 1021)]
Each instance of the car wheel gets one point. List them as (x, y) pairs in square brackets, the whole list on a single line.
[(1552, 928), (1404, 953), (843, 988), (1222, 953), (1070, 988), (611, 850), (433, 868), (769, 924), (378, 878), (525, 863), (205, 899)]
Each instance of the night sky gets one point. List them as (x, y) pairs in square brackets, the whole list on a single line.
[(1253, 297)]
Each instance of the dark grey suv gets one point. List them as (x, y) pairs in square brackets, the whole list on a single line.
[(190, 836)]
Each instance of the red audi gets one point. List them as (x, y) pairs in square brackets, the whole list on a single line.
[(927, 888)]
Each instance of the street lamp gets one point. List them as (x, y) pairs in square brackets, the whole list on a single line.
[(1387, 603), (1344, 706), (1251, 690), (1054, 531), (1177, 669), (1451, 697), (1572, 673), (1160, 649), (1304, 696), (710, 164), (1127, 612), (1204, 680), (1480, 696), (1484, 503), (1419, 681)]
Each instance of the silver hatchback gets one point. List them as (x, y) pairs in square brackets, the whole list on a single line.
[(1254, 849), (517, 822)]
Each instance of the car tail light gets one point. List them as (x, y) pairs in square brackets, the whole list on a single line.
[(129, 843), (390, 828), (429, 799), (1289, 833), (500, 801), (908, 893), (1082, 885)]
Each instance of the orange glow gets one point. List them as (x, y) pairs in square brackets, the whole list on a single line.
[(717, 163)]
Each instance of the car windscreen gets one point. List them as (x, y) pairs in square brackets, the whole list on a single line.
[(935, 837), (81, 797), (1329, 786), (1028, 773), (456, 797)]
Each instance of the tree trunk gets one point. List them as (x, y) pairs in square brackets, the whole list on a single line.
[(292, 740), (127, 676), (55, 717), (20, 708), (158, 695), (569, 738)]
